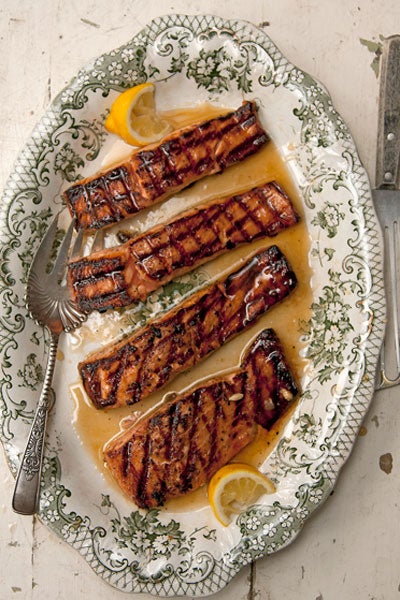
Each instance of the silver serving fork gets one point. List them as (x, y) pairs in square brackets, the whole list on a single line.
[(49, 304), (387, 205)]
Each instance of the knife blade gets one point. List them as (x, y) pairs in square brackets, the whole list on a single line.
[(386, 198)]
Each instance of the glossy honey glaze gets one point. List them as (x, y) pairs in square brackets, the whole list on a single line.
[(96, 427)]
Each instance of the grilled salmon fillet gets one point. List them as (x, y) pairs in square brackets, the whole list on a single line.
[(133, 368), (180, 445), (157, 171), (116, 277)]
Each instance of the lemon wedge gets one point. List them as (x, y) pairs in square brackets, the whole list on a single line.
[(235, 487), (133, 116)]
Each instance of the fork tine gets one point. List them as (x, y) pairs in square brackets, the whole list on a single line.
[(63, 251), (98, 242), (76, 251), (43, 254)]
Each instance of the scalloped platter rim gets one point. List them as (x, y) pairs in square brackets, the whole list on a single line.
[(222, 61)]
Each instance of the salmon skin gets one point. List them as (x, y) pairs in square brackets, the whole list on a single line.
[(157, 171), (117, 277), (133, 368), (180, 445)]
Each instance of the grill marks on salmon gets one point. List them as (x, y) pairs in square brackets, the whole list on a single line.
[(179, 446), (116, 277), (157, 171), (145, 361)]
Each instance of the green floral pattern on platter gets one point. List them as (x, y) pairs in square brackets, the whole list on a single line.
[(221, 61)]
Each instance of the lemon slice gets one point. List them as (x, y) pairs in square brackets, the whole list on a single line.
[(234, 488), (133, 117)]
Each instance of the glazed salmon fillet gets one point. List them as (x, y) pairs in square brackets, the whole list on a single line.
[(155, 172), (179, 446), (117, 277), (133, 368)]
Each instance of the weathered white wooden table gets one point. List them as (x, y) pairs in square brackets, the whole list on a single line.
[(350, 549)]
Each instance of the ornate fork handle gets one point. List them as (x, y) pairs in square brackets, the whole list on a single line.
[(27, 486)]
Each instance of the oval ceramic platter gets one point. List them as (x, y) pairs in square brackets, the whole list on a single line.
[(198, 59)]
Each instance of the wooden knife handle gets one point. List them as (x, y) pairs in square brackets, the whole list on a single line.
[(388, 149)]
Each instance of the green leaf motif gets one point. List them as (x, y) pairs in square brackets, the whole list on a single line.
[(143, 533), (309, 429), (178, 63), (105, 501), (32, 373), (66, 162), (329, 219), (328, 329), (329, 253), (212, 70)]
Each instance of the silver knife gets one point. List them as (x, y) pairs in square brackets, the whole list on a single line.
[(387, 203)]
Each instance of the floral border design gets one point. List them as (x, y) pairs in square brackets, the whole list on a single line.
[(153, 552)]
